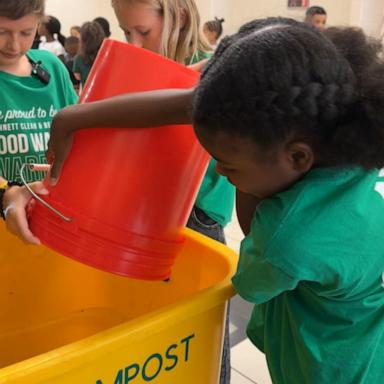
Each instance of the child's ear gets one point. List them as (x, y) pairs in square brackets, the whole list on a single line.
[(300, 156)]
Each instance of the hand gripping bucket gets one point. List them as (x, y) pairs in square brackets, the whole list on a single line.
[(127, 192)]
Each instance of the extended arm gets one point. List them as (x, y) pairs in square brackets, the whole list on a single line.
[(138, 110), (245, 208)]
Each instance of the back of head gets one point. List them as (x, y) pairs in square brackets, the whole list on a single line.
[(53, 26), (315, 10), (362, 52), (316, 16), (104, 24), (72, 40), (279, 80), (181, 36), (216, 26), (16, 9), (72, 44), (92, 36), (74, 30)]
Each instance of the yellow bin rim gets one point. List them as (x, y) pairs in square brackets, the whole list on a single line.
[(94, 347)]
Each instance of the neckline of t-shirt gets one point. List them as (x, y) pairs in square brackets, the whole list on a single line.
[(13, 76), (333, 172), (25, 80)]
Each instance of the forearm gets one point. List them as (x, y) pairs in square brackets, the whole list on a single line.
[(134, 110), (245, 209), (145, 109)]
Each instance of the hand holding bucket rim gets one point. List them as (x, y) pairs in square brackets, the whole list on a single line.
[(17, 205), (59, 146), (44, 168)]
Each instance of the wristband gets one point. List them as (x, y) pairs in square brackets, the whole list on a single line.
[(7, 209), (4, 186)]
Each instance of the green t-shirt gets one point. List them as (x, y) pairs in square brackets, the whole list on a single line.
[(80, 67), (216, 196), (27, 106), (313, 265)]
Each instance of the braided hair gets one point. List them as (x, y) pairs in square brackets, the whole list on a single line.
[(278, 80)]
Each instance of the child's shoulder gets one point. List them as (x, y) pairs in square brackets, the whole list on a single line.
[(43, 56), (198, 56), (48, 61), (327, 213)]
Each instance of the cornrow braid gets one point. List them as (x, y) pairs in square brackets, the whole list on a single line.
[(278, 80)]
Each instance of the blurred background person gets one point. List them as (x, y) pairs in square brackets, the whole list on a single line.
[(317, 16), (75, 31), (213, 29), (72, 44), (53, 40), (104, 23), (91, 38)]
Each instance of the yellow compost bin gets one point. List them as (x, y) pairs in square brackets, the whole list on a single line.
[(65, 322)]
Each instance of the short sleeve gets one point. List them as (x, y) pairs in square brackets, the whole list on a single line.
[(261, 281), (257, 279)]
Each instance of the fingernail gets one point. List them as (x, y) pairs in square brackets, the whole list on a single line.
[(53, 181)]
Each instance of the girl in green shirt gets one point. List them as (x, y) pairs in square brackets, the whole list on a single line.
[(294, 118), (297, 122), (172, 29), (91, 37)]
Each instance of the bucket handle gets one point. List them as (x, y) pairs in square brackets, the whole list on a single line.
[(44, 168)]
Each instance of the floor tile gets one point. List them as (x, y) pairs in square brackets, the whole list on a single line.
[(238, 378), (233, 243), (250, 362), (233, 229), (240, 312)]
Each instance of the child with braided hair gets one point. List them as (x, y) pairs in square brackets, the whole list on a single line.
[(304, 132), (295, 120)]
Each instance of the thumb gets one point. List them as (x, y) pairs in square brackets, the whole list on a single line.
[(39, 188), (55, 173)]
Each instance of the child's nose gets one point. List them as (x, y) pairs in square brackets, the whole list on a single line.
[(13, 43), (136, 40)]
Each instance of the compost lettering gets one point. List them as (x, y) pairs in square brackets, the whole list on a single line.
[(155, 364)]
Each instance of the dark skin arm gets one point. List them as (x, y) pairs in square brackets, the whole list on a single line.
[(145, 109), (139, 110), (246, 205)]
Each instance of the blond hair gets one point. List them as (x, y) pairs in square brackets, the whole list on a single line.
[(178, 44)]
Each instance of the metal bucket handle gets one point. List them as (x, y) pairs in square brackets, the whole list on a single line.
[(44, 168)]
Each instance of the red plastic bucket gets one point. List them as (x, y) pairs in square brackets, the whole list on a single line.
[(128, 190)]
